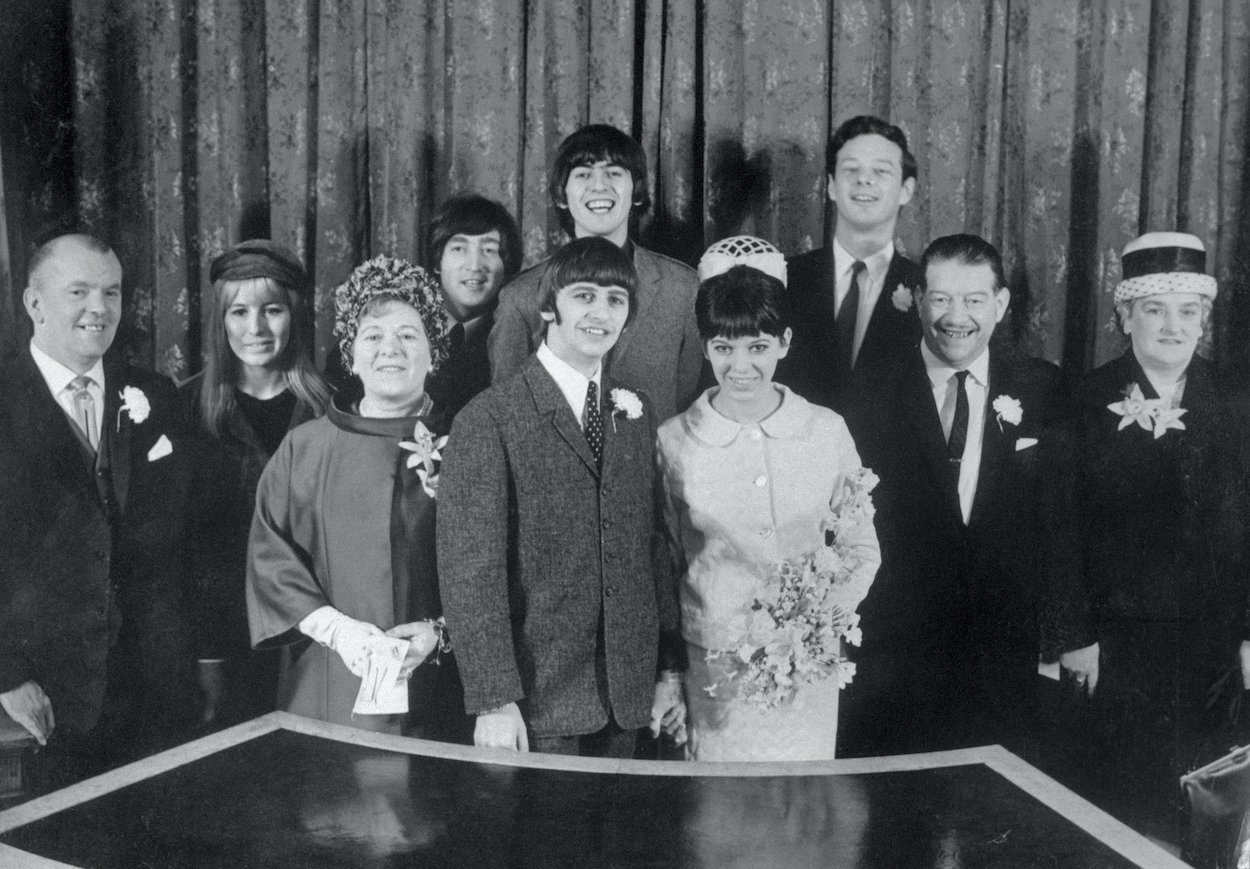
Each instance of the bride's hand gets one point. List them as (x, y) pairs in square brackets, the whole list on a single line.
[(668, 710)]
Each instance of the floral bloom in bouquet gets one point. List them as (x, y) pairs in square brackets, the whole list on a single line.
[(793, 635)]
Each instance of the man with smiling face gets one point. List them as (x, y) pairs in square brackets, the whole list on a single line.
[(94, 658), (474, 247), (851, 301), (950, 648), (598, 186), (554, 577)]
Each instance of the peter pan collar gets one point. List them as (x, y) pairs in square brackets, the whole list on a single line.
[(789, 420)]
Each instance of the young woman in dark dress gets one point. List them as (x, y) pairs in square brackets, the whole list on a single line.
[(258, 383)]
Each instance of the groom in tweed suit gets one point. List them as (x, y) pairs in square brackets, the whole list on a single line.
[(554, 579)]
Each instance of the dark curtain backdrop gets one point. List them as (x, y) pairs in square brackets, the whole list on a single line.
[(1059, 129)]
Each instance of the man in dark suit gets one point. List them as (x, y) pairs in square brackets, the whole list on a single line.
[(94, 658), (599, 188), (474, 247), (851, 300), (554, 578), (950, 646)]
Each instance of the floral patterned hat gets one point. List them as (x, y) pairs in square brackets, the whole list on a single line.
[(1164, 262), (385, 277)]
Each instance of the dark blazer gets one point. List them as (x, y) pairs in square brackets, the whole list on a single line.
[(811, 368), (465, 373), (225, 472), (540, 552), (1149, 529), (950, 624), (90, 575), (660, 353)]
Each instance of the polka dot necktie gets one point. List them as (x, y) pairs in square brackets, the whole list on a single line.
[(594, 422)]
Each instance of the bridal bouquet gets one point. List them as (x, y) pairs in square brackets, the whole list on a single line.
[(793, 635)]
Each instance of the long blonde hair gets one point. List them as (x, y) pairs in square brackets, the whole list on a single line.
[(221, 366)]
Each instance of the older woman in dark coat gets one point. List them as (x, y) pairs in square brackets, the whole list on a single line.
[(258, 383), (1148, 596), (341, 561)]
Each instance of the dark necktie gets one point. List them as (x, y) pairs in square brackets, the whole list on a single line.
[(594, 422), (456, 340), (848, 313), (959, 423)]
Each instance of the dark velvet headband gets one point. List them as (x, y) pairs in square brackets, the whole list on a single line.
[(260, 258), (1163, 260)]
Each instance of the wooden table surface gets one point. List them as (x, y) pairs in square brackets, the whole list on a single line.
[(286, 791)]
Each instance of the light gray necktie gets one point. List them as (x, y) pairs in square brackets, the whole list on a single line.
[(84, 408)]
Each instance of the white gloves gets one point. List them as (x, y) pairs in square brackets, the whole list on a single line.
[(344, 634)]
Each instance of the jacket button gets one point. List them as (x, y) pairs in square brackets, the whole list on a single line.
[(607, 523), (609, 591), (761, 480)]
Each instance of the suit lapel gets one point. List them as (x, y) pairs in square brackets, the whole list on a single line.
[(115, 435), (48, 429), (881, 310), (927, 431), (549, 401), (994, 438)]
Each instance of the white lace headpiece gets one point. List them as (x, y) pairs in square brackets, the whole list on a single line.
[(742, 250)]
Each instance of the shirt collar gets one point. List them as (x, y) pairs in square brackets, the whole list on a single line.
[(877, 264), (940, 373), (57, 376), (572, 382), (715, 429)]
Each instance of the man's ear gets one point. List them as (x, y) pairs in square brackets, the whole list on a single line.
[(1002, 300), (32, 300), (906, 192)]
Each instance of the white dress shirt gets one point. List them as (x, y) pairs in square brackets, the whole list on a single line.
[(58, 378), (977, 384), (572, 382), (870, 285)]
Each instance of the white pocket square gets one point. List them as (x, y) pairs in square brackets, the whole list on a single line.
[(160, 449), (1025, 443)]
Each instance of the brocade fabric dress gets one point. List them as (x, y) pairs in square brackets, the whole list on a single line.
[(740, 500), (341, 521)]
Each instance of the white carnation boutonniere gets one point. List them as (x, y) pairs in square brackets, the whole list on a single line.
[(902, 298), (625, 403), (1148, 413), (426, 451), (1007, 410), (134, 403)]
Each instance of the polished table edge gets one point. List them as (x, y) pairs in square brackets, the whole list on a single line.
[(1049, 792)]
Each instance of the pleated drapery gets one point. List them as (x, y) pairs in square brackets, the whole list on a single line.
[(1059, 129)]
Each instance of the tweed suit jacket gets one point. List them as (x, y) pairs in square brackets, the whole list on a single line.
[(812, 368), (538, 547), (87, 585), (660, 353), (957, 603)]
